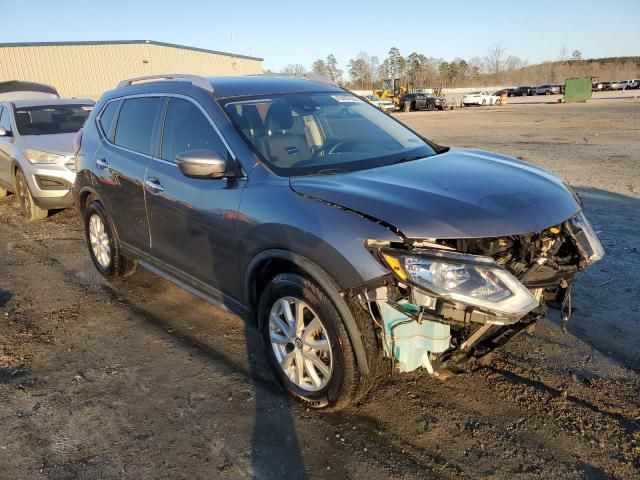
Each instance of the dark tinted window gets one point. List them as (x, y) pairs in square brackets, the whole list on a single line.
[(4, 119), (107, 115), (135, 123), (186, 128), (51, 119)]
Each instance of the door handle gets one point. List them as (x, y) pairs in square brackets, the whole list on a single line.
[(102, 163), (154, 185)]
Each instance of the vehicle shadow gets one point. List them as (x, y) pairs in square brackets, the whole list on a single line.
[(275, 450), (607, 294)]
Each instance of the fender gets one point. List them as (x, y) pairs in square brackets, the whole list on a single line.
[(329, 286)]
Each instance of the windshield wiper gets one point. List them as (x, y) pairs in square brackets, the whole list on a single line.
[(330, 171), (410, 159)]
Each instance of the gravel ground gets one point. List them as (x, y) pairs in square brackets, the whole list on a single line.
[(139, 379)]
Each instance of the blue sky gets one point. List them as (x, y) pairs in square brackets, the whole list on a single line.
[(285, 32)]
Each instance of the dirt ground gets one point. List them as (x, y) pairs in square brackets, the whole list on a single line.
[(140, 379)]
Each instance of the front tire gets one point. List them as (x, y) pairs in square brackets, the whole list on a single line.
[(103, 244), (32, 212), (307, 344)]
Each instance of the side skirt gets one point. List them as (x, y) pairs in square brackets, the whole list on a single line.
[(188, 283)]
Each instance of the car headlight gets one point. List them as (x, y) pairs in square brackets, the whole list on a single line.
[(586, 239), (468, 279), (39, 156)]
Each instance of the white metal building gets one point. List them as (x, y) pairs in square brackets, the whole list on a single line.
[(86, 69)]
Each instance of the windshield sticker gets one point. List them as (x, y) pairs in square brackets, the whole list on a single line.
[(346, 99), (88, 109)]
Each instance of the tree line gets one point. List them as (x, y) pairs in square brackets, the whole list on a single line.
[(497, 67)]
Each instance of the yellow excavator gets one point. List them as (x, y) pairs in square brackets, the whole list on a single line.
[(394, 90)]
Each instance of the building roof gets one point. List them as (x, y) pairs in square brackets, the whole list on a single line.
[(125, 42)]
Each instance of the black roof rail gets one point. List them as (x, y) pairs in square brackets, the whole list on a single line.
[(196, 80)]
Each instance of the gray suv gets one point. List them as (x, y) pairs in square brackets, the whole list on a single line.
[(351, 242), (36, 151)]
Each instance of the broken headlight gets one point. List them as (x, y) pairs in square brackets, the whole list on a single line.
[(586, 239), (468, 279)]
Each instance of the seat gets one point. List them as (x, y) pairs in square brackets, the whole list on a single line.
[(285, 147)]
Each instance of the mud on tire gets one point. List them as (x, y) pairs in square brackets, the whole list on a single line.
[(347, 383), (118, 266)]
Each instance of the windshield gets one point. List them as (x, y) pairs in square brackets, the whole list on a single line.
[(323, 133), (51, 119)]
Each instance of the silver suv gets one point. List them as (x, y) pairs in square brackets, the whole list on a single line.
[(546, 90), (36, 151)]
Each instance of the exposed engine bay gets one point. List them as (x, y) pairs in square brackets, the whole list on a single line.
[(452, 300)]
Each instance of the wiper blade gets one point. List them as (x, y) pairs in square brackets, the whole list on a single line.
[(331, 171), (410, 159)]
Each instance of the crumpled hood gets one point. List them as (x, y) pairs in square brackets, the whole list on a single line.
[(457, 194), (60, 143)]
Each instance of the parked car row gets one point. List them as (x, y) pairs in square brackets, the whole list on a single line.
[(525, 91), (631, 84), (352, 243)]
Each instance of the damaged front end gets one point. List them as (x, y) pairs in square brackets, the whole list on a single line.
[(448, 301)]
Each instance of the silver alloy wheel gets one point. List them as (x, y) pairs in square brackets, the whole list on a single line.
[(22, 192), (300, 343), (99, 241)]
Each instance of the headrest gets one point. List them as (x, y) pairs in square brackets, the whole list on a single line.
[(22, 120), (279, 117), (251, 117)]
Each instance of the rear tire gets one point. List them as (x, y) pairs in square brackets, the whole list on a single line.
[(31, 211), (104, 247), (430, 107), (339, 383)]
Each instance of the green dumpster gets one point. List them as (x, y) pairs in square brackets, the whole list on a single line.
[(577, 90)]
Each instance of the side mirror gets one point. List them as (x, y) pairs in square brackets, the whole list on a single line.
[(4, 132), (202, 164)]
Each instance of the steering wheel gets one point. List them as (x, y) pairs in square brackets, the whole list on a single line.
[(336, 147)]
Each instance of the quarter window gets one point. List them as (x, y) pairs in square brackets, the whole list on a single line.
[(106, 117), (4, 119), (135, 123), (186, 129)]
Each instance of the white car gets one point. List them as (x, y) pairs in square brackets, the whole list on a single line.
[(615, 86), (633, 83), (384, 105), (480, 98)]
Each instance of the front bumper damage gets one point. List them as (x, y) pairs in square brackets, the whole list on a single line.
[(418, 327)]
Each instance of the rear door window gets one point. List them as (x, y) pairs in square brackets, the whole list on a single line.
[(187, 129), (136, 123)]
